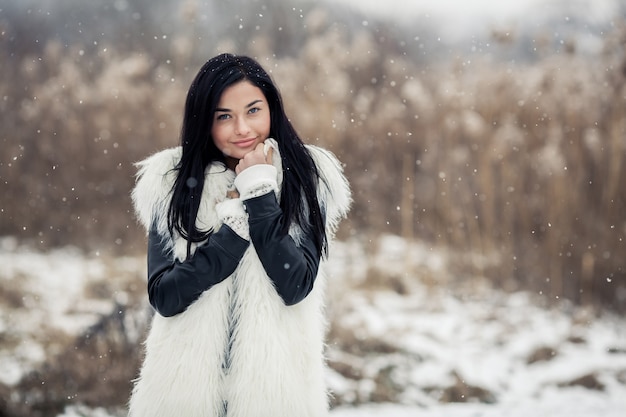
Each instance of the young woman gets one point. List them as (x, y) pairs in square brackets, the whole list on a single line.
[(239, 218)]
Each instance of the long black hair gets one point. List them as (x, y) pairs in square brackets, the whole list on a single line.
[(298, 200)]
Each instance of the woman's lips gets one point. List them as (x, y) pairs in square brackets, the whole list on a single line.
[(245, 143)]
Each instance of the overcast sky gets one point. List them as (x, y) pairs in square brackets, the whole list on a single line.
[(461, 16)]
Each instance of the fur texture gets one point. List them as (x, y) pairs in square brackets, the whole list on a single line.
[(276, 355)]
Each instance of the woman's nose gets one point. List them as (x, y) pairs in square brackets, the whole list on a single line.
[(241, 126)]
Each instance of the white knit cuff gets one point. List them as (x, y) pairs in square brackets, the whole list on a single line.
[(232, 213), (254, 178), (261, 189)]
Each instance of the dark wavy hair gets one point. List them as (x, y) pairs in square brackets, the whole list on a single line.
[(298, 200)]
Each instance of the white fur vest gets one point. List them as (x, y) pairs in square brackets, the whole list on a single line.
[(277, 360)]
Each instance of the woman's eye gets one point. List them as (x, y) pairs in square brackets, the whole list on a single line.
[(223, 116), (254, 110)]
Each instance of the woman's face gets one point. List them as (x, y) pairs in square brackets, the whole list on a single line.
[(241, 121)]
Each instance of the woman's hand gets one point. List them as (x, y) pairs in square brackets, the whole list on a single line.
[(255, 157), (256, 174)]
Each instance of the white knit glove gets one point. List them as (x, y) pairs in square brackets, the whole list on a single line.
[(232, 213)]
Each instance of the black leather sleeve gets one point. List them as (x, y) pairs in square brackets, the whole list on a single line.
[(174, 285), (291, 267)]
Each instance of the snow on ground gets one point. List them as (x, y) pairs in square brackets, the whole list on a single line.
[(553, 403), (496, 354), (46, 295), (406, 338)]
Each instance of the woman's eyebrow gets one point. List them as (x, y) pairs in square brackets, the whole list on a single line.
[(221, 109), (253, 103)]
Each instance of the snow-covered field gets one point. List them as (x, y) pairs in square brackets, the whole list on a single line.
[(406, 337)]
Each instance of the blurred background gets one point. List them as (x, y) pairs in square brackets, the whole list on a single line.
[(493, 130)]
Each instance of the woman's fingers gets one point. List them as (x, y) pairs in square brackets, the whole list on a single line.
[(254, 157), (232, 194)]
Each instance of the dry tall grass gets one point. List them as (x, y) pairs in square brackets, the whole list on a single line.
[(524, 162)]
